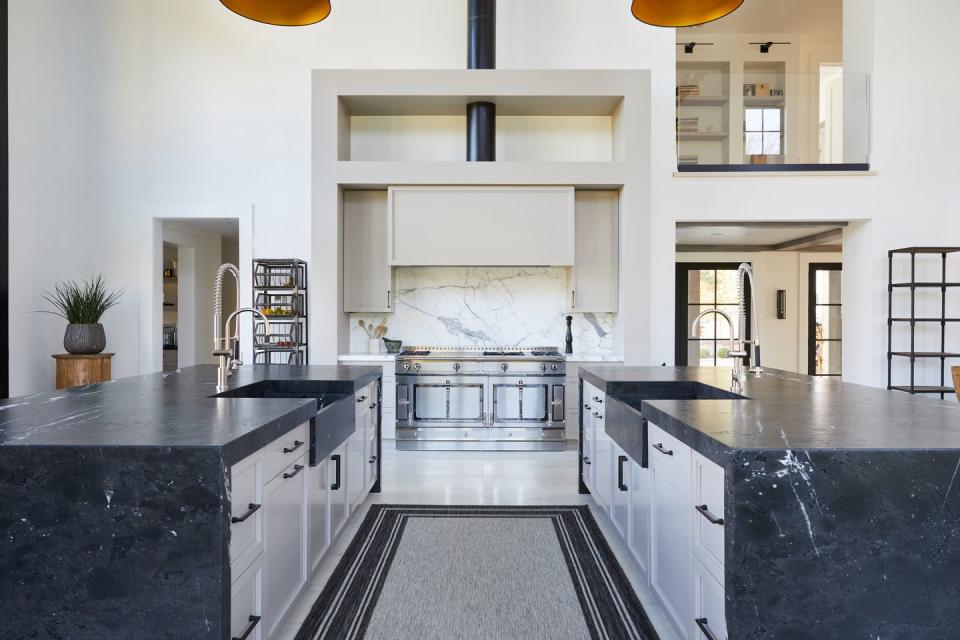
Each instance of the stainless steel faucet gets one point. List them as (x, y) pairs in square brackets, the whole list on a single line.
[(736, 352), (227, 348), (746, 270)]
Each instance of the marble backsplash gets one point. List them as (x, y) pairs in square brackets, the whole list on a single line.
[(486, 306)]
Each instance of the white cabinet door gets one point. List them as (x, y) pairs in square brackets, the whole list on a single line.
[(709, 606), (594, 278), (370, 452), (589, 473), (367, 275), (639, 537), (246, 513), (246, 603), (671, 555), (318, 520), (285, 542), (339, 502), (481, 226), (603, 458), (620, 491), (709, 533)]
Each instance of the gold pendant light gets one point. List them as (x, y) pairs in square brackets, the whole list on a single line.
[(283, 13), (682, 13)]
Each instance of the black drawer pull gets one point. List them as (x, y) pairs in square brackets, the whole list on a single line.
[(587, 407), (253, 508), (297, 468), (373, 459), (336, 483), (586, 460), (705, 629), (597, 399), (254, 621), (597, 414), (620, 485), (702, 509), (373, 406), (296, 445), (659, 447), (361, 399)]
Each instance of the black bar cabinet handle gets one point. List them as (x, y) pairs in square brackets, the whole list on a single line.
[(253, 508), (336, 483), (620, 461), (297, 468), (296, 445), (586, 460), (373, 459), (254, 621), (702, 510), (659, 447), (705, 629)]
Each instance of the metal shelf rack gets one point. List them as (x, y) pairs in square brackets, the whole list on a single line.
[(280, 293), (913, 285)]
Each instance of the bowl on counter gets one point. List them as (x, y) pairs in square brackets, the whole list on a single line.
[(393, 346)]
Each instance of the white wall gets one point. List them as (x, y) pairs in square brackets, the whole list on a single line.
[(124, 106)]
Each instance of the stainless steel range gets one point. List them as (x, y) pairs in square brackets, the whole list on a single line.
[(481, 398)]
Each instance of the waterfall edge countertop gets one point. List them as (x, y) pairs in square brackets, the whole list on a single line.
[(175, 410)]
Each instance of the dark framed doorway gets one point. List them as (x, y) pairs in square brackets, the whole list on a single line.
[(4, 208), (825, 319), (706, 285)]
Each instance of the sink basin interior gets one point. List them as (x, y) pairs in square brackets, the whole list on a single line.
[(682, 390), (284, 389)]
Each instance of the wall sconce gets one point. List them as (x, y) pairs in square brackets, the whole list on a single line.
[(765, 46), (688, 46), (781, 304)]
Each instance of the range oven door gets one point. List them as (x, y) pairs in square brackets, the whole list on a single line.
[(438, 401), (532, 401)]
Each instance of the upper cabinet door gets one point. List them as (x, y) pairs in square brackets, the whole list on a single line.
[(481, 226), (367, 275), (594, 278)]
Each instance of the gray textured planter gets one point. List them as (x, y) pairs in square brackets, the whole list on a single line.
[(84, 339)]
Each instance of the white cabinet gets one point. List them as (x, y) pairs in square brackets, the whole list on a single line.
[(594, 279), (367, 275), (671, 558), (246, 603), (709, 606), (357, 459), (318, 513), (639, 535), (620, 491), (601, 457), (481, 226), (339, 502), (587, 420), (285, 550), (246, 517), (370, 451), (708, 520)]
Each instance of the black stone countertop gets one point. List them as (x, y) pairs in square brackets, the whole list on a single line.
[(174, 410), (781, 410)]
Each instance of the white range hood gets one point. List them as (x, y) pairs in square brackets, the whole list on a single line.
[(480, 226)]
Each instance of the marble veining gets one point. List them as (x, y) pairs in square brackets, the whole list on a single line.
[(485, 306)]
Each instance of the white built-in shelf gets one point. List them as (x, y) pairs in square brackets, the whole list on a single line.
[(380, 174), (763, 101), (702, 135), (702, 101)]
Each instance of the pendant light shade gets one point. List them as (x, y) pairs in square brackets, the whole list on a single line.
[(682, 13), (284, 13)]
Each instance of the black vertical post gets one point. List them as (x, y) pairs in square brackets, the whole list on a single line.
[(481, 54), (4, 212), (890, 320)]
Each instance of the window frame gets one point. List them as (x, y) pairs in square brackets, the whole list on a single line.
[(682, 308), (763, 131), (812, 318)]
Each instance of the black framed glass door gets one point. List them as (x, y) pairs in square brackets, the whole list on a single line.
[(825, 320), (701, 286)]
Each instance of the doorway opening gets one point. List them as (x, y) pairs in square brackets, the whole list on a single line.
[(825, 320)]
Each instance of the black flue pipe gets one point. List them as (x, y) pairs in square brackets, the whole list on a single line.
[(482, 54)]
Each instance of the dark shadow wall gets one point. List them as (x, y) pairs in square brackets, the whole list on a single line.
[(4, 213)]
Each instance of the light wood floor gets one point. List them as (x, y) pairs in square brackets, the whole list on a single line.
[(476, 478)]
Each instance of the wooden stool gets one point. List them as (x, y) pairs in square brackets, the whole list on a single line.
[(77, 371), (956, 380)]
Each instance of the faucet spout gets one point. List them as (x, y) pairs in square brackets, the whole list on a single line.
[(745, 273), (734, 351)]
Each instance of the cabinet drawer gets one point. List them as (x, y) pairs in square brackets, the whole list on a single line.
[(709, 606), (246, 513), (284, 450), (285, 537), (669, 454), (709, 524), (246, 601)]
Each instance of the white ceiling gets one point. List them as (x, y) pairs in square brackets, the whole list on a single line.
[(820, 20), (714, 235), (229, 228)]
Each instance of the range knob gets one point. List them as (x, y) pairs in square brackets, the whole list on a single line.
[(555, 367), (456, 366), (543, 367), (504, 366), (416, 365), (406, 366)]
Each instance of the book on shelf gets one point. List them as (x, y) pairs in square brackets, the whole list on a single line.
[(684, 90), (688, 124)]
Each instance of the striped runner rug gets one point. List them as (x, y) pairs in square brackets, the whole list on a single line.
[(478, 572)]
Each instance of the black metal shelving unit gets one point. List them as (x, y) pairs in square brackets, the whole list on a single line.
[(913, 286), (280, 293)]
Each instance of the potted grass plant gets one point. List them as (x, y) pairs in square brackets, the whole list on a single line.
[(82, 304)]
